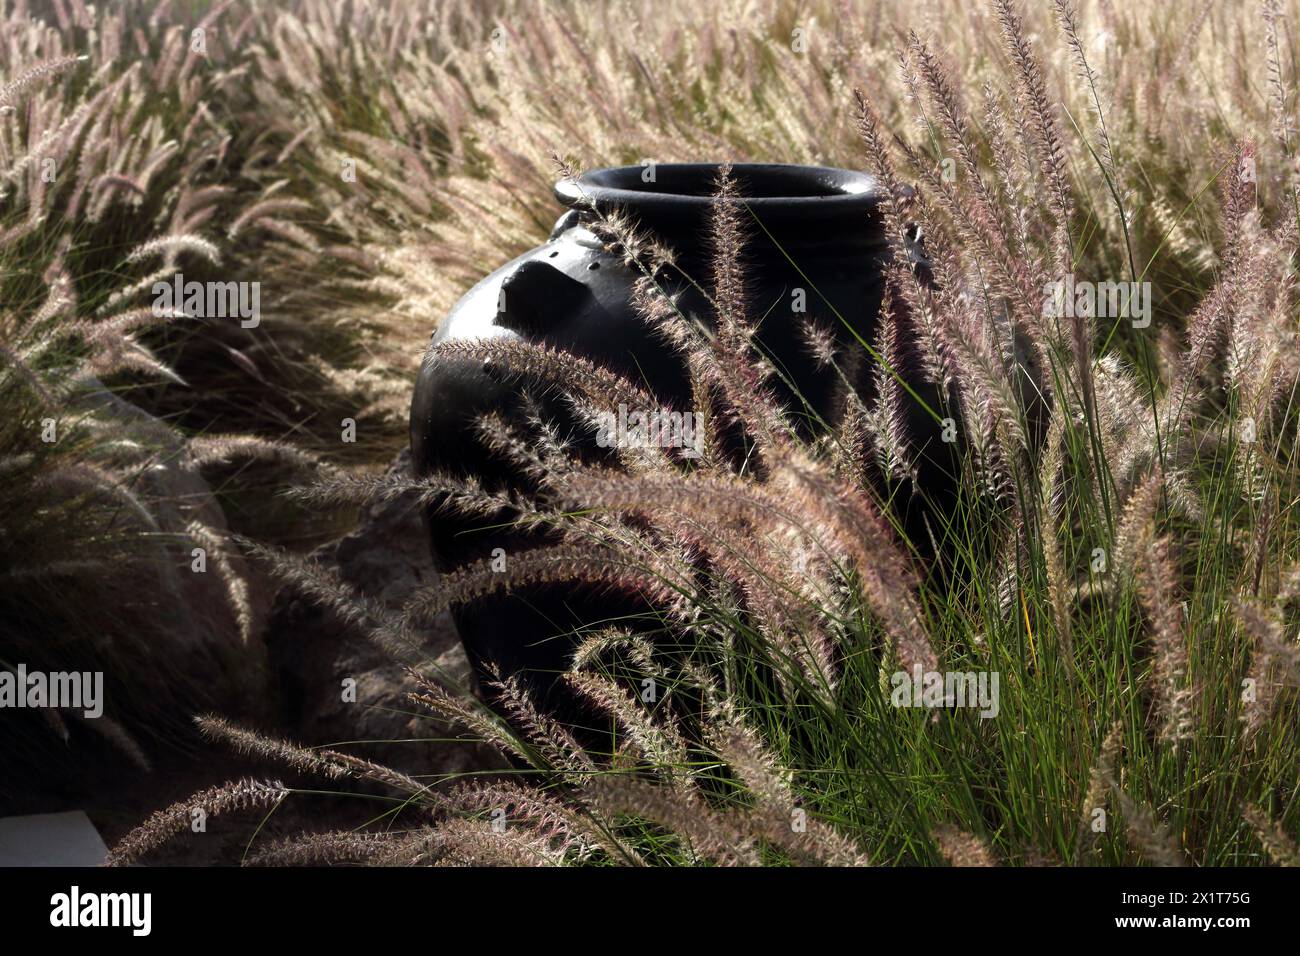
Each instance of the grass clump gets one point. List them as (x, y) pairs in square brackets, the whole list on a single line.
[(1123, 553), (1104, 562)]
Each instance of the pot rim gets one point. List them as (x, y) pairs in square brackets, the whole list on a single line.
[(682, 192)]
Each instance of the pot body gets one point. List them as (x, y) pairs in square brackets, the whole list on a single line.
[(815, 249)]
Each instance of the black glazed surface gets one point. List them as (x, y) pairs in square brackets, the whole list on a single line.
[(813, 229)]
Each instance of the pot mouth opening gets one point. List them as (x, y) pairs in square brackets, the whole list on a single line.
[(684, 191)]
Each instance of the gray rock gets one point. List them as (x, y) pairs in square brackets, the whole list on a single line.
[(385, 558), (212, 619)]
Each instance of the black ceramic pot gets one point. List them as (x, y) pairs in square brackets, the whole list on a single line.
[(816, 242)]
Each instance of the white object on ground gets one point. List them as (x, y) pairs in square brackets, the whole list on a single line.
[(51, 839)]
